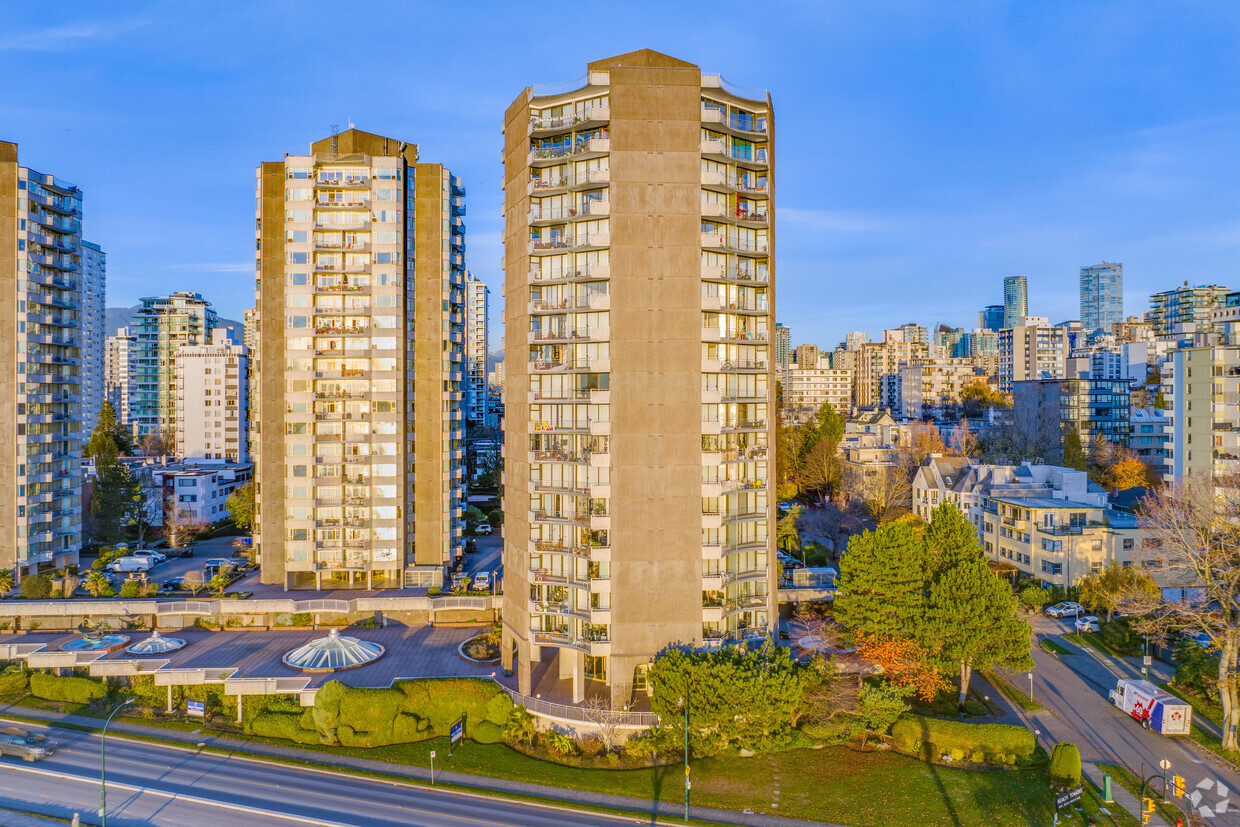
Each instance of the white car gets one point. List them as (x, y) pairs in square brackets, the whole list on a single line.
[(154, 556), (483, 528), (482, 582), (1089, 623), (1066, 609), (125, 564), (1200, 638)]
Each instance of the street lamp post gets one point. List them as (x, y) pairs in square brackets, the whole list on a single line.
[(1031, 684), (684, 703), (103, 777)]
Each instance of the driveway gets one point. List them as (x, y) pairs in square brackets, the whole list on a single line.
[(216, 547)]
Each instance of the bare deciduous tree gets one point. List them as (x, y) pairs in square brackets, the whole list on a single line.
[(598, 714), (1030, 430), (884, 491), (193, 582), (1193, 528)]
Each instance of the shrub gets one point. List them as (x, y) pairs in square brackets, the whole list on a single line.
[(487, 732), (520, 726), (495, 518), (130, 589), (1195, 667), (36, 587), (72, 690), (558, 744), (1034, 597), (928, 738), (977, 756), (975, 708), (282, 725), (1065, 769), (434, 591), (1118, 634), (14, 682)]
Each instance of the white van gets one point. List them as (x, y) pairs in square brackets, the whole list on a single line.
[(132, 564)]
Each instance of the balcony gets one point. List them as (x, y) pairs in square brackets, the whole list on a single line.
[(731, 243), (743, 516), (581, 148), (714, 334), (593, 272), (593, 115), (348, 182), (561, 365), (565, 243)]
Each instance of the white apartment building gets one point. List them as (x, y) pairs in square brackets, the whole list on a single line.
[(41, 320), (94, 287), (212, 400), (477, 296), (808, 389), (1201, 386), (199, 488), (1032, 349), (120, 384), (358, 376), (929, 387), (1151, 429)]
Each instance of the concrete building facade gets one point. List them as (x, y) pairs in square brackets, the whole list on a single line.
[(1031, 349), (358, 382), (120, 374), (212, 420), (94, 288), (783, 347), (41, 327), (808, 389), (932, 387), (1183, 305), (639, 418), (1093, 408)]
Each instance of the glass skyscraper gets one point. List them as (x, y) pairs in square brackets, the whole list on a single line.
[(1102, 296), (1015, 300), (991, 318)]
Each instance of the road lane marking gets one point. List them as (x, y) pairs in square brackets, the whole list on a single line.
[(120, 785), (224, 754)]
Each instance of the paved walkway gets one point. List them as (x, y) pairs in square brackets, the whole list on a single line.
[(668, 810), (12, 818)]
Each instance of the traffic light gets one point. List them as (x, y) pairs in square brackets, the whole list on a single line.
[(1147, 810), (1177, 786)]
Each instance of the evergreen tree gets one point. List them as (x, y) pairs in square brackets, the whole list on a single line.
[(102, 445), (971, 623), (241, 506), (112, 504), (882, 581), (1073, 451), (950, 539)]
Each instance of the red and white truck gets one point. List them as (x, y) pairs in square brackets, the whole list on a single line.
[(1154, 708)]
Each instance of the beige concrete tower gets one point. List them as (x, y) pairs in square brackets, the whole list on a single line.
[(356, 388), (40, 368), (638, 429)]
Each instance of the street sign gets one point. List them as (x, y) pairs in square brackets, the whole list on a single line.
[(458, 731), (196, 709), (1147, 661), (1165, 764), (432, 753), (1070, 797)]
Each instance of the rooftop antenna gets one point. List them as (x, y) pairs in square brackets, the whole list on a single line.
[(335, 142)]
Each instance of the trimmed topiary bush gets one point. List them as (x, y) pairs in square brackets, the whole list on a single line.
[(487, 732), (929, 738), (72, 690), (14, 682), (1065, 769)]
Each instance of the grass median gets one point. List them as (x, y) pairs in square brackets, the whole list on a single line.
[(1008, 690)]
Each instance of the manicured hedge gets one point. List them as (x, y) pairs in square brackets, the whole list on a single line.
[(14, 682), (73, 690), (407, 712), (930, 738), (1065, 767)]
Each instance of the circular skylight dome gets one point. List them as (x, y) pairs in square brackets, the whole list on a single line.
[(333, 652), (156, 644)]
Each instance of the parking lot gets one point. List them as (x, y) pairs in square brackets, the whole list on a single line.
[(217, 547)]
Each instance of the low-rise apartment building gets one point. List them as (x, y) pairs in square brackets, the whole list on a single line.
[(930, 388), (1150, 434), (212, 400), (200, 488), (1059, 541), (808, 389), (1093, 408), (1031, 349)]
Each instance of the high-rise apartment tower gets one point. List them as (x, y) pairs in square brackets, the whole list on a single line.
[(120, 374), (1102, 297), (94, 287), (164, 325), (213, 400), (40, 387), (1015, 300), (477, 297), (357, 392), (639, 299)]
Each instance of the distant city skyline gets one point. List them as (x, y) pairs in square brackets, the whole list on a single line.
[(908, 195)]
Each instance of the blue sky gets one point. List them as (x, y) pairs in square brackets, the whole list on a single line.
[(924, 150)]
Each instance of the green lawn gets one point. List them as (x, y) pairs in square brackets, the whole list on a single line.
[(1124, 778), (834, 784), (1053, 647)]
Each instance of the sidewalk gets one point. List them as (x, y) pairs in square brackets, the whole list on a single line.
[(647, 809), (12, 818)]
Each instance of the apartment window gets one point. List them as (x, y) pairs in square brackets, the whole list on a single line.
[(1128, 544)]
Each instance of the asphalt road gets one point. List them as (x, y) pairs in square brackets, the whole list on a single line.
[(1077, 711), (150, 784)]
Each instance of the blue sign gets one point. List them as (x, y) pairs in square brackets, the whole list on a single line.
[(196, 708), (458, 731)]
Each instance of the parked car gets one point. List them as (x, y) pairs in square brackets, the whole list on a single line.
[(29, 746), (213, 566), (184, 551), (458, 581), (173, 584), (1089, 623), (1065, 609), (482, 582), (483, 528), (154, 556), (129, 564), (1200, 638)]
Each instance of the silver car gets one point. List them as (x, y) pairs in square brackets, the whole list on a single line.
[(29, 746)]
